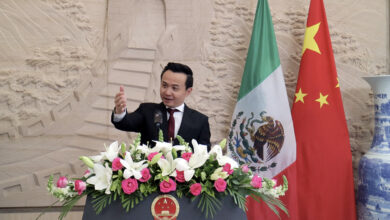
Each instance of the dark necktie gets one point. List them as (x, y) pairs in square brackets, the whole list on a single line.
[(171, 123)]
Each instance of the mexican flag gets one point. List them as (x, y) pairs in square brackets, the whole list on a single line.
[(262, 133)]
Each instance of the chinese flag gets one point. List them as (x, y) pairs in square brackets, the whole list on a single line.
[(324, 162)]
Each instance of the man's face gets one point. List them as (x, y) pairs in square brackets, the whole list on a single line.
[(173, 89)]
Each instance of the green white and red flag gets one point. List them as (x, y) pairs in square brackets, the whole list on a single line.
[(262, 133)]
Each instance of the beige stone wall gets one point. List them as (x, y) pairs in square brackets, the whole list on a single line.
[(62, 62)]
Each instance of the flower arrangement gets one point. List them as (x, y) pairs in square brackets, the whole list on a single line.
[(131, 173)]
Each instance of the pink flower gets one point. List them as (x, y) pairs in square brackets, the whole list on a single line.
[(151, 155), (167, 187), (62, 182), (196, 189), (116, 164), (145, 175), (186, 156), (227, 168), (129, 185), (180, 176), (245, 168), (80, 186), (256, 182), (87, 172), (220, 185)]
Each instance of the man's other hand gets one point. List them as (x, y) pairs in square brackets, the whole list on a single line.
[(120, 101)]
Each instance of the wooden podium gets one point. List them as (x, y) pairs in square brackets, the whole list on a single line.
[(187, 210)]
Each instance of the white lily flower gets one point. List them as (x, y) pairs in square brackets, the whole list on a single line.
[(183, 165), (97, 158), (200, 155), (163, 147), (133, 168), (198, 158), (219, 173), (222, 160), (166, 147), (144, 149), (167, 165), (179, 148), (102, 179), (112, 151)]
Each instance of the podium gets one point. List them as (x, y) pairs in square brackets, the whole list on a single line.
[(188, 210)]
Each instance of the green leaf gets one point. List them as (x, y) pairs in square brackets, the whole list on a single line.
[(165, 178), (181, 140), (87, 161), (174, 153), (209, 204), (68, 205), (203, 175), (210, 192), (129, 201), (137, 140), (50, 184), (123, 148), (113, 186), (115, 195), (179, 193), (142, 188), (271, 202), (100, 201), (44, 211), (156, 158), (239, 199), (160, 136), (235, 182), (223, 143), (285, 183)]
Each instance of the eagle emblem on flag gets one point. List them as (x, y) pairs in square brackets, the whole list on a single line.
[(256, 140)]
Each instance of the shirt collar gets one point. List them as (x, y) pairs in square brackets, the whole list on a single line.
[(180, 107)]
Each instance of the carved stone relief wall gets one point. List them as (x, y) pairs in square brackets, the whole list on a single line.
[(42, 62), (53, 58), (62, 61)]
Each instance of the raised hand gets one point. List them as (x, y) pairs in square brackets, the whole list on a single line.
[(120, 101)]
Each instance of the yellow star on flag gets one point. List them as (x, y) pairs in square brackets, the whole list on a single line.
[(309, 42), (338, 83), (322, 100), (299, 96)]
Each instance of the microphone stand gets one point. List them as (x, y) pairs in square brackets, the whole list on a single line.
[(157, 122)]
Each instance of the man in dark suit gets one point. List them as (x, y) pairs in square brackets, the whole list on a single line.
[(172, 115)]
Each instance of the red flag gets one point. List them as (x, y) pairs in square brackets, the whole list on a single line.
[(324, 161), (261, 211)]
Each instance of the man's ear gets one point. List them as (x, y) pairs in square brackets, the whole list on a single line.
[(188, 91)]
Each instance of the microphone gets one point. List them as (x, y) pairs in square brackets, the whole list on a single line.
[(158, 118)]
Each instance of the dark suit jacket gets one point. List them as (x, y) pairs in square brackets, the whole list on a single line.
[(194, 124)]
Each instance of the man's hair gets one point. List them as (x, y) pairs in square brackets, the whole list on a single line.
[(180, 68)]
